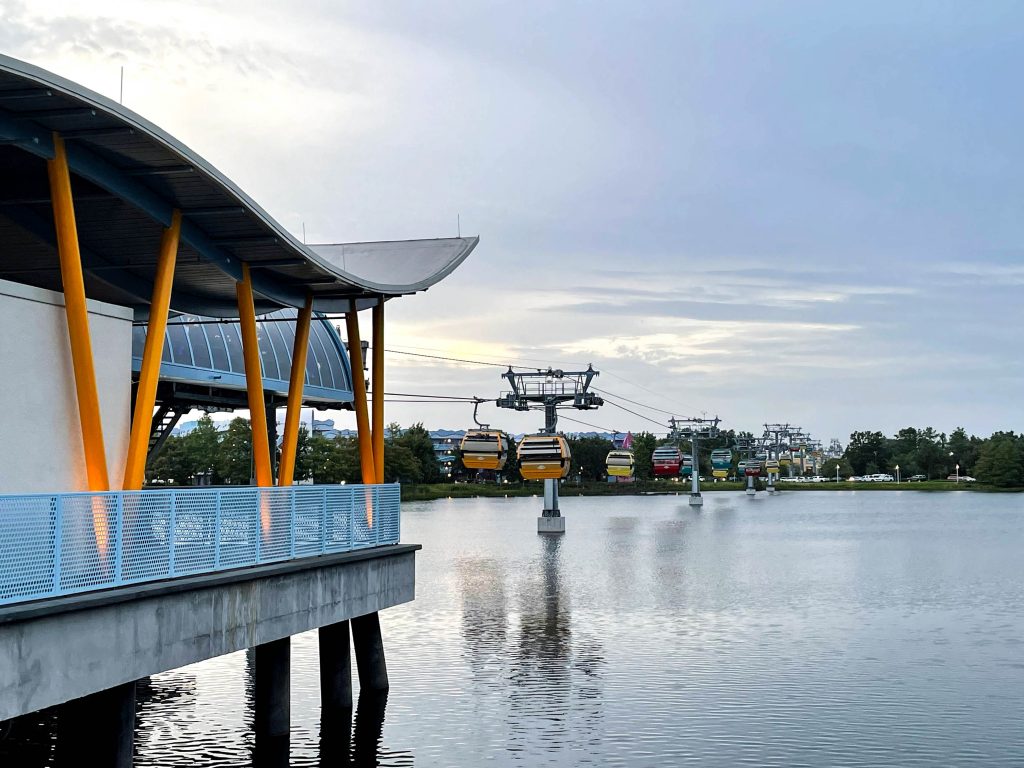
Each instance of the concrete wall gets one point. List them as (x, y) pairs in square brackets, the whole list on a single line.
[(39, 426), (58, 650)]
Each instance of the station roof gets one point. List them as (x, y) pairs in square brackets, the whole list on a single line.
[(128, 176), (203, 352)]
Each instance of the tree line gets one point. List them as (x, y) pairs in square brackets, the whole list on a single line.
[(207, 455), (997, 460), (224, 457)]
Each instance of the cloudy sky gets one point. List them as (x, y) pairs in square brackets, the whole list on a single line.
[(782, 211)]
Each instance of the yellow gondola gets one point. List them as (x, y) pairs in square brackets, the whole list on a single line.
[(620, 463), (771, 466), (544, 457), (484, 449)]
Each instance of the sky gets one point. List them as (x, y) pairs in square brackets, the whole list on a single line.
[(779, 211)]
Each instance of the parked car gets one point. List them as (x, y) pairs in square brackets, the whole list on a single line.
[(917, 478), (962, 478)]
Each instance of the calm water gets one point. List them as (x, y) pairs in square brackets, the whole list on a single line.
[(811, 629)]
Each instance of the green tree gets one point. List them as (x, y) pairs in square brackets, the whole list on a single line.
[(828, 469), (965, 451), (1001, 461), (589, 454), (322, 460), (234, 459), (203, 446), (867, 452), (173, 465), (416, 439), (401, 465), (303, 466), (644, 444)]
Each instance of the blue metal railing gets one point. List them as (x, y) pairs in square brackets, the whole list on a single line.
[(63, 543)]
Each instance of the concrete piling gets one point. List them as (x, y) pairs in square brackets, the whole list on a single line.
[(98, 729), (369, 647), (335, 668), (271, 689)]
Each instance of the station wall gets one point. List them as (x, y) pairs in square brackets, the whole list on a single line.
[(40, 437)]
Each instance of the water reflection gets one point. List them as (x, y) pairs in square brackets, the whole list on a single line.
[(341, 744)]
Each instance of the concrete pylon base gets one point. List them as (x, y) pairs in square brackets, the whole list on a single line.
[(551, 525), (771, 490), (751, 491), (696, 500)]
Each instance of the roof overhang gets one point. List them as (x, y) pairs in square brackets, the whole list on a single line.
[(128, 176)]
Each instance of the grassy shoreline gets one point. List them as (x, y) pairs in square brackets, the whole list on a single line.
[(482, 490)]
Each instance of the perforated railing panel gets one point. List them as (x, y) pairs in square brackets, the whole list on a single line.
[(64, 543)]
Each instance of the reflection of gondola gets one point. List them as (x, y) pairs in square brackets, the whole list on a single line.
[(544, 457)]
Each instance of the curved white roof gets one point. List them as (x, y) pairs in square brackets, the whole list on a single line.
[(129, 175)]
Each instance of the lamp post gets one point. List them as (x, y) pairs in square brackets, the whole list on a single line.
[(897, 474), (958, 473), (837, 471)]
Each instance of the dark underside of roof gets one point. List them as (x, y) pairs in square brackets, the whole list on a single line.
[(125, 184)]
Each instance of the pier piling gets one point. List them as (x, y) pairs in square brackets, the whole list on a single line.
[(272, 683), (335, 668), (369, 647)]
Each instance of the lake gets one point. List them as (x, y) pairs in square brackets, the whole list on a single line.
[(808, 629)]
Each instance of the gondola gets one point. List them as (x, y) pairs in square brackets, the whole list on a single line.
[(484, 449), (620, 463), (667, 460), (721, 462), (544, 457)]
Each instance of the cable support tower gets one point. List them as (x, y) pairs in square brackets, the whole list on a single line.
[(694, 429), (546, 456)]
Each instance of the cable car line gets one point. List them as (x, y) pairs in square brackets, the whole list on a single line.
[(588, 424), (634, 402), (627, 410), (501, 365)]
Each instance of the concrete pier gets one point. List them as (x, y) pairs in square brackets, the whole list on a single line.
[(335, 669), (272, 689), (98, 729), (54, 651), (551, 520), (369, 646), (696, 500)]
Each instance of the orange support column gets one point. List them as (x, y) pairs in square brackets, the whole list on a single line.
[(290, 442), (149, 375), (254, 380), (355, 353), (78, 319), (378, 389)]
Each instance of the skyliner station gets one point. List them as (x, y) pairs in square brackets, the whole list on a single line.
[(138, 283)]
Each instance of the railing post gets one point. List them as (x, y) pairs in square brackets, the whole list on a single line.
[(171, 525), (291, 493), (216, 534), (119, 534), (58, 542), (323, 523), (256, 526), (352, 520), (379, 520)]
